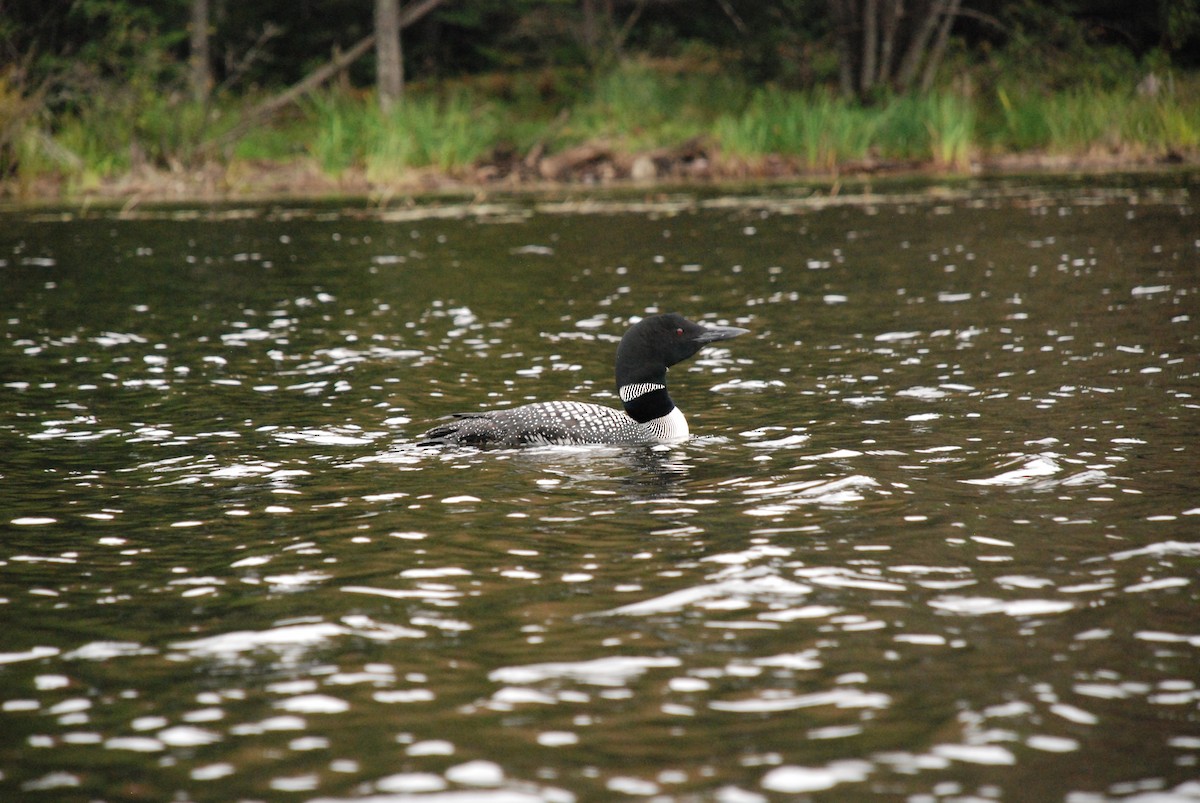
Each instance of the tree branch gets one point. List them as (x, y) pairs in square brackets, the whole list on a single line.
[(267, 109)]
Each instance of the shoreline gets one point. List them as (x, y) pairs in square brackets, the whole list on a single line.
[(588, 169)]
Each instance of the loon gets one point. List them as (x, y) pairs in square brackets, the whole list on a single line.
[(646, 351)]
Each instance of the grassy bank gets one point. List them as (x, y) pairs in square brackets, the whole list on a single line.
[(642, 119)]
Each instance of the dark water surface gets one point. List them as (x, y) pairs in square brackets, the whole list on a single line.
[(936, 537)]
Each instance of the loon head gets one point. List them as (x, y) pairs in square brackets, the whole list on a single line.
[(654, 344)]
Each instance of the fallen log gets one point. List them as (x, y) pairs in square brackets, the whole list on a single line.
[(559, 166)]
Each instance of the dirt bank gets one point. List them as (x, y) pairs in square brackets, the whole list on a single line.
[(580, 167)]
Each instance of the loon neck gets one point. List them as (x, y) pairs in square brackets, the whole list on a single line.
[(646, 401)]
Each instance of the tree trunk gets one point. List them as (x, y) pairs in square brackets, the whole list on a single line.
[(844, 24), (389, 57), (872, 35), (892, 11), (199, 73), (918, 43), (939, 45), (870, 45)]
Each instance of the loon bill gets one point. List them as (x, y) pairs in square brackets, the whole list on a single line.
[(647, 350)]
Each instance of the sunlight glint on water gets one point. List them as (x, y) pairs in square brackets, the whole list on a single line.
[(935, 535)]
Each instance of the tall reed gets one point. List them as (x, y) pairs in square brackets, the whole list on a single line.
[(449, 134), (818, 128), (825, 131), (951, 122), (1079, 120)]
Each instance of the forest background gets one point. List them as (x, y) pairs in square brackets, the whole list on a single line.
[(215, 98)]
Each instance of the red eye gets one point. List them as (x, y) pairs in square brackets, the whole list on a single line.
[(678, 331)]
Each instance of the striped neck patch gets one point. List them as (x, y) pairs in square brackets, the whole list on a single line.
[(630, 392)]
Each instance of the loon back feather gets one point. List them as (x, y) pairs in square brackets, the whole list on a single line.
[(557, 422), (646, 350)]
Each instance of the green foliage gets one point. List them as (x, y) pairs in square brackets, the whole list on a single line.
[(132, 128), (94, 89), (1022, 125), (339, 131), (1179, 20), (951, 121), (109, 102), (449, 134), (1048, 47), (640, 105), (1178, 123), (905, 130), (825, 131), (74, 43), (818, 127), (126, 37), (1076, 121)]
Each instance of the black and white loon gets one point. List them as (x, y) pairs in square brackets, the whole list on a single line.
[(647, 350)]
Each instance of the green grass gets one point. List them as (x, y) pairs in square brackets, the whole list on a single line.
[(823, 131), (448, 134), (636, 106), (951, 122), (338, 131), (1079, 121), (818, 128)]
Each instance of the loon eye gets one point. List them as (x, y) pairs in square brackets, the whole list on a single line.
[(679, 331)]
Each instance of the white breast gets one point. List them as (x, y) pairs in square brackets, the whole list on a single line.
[(670, 428)]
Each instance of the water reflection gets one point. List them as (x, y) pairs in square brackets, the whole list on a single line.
[(934, 538)]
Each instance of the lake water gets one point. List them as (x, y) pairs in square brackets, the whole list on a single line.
[(935, 537)]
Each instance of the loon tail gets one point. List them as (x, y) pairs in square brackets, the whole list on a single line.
[(467, 429)]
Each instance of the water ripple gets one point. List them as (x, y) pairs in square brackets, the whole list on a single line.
[(933, 539)]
